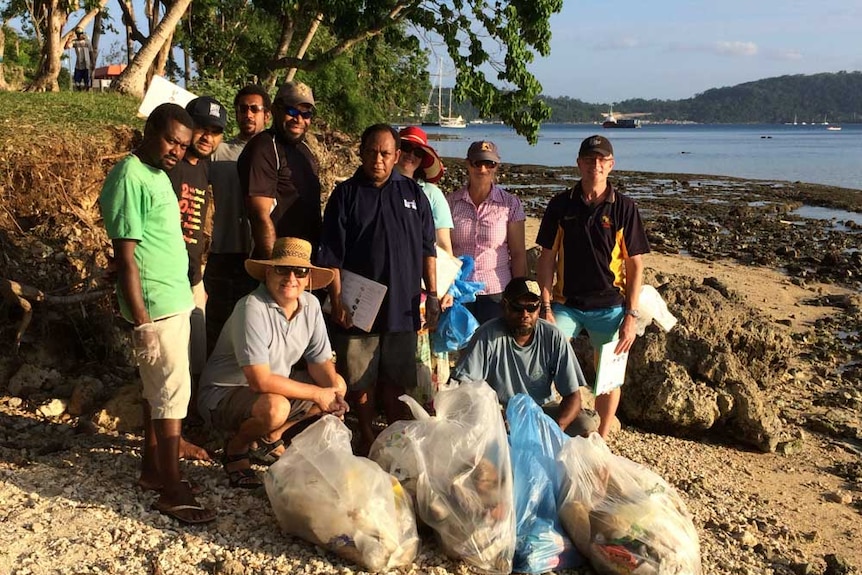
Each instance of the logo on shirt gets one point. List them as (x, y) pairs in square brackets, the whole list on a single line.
[(410, 204), (606, 222)]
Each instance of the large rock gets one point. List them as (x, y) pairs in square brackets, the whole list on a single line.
[(30, 378), (85, 392), (124, 411), (712, 372)]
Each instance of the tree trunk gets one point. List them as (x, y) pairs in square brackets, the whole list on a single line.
[(162, 57), (132, 80), (312, 30), (94, 41), (3, 85), (52, 49), (286, 37)]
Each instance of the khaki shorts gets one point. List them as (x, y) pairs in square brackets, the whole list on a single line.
[(389, 358), (237, 404), (167, 385)]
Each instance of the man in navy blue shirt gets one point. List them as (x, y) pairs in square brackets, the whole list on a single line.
[(378, 224)]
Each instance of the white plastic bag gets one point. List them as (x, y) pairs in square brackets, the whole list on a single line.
[(653, 308), (324, 494), (622, 516), (457, 465)]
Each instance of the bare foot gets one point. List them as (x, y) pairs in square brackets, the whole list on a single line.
[(189, 450)]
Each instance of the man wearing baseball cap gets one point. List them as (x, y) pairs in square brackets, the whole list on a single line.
[(520, 353), (278, 173), (190, 179), (592, 239)]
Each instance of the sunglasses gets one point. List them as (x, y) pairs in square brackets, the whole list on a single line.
[(521, 308), (253, 108), (409, 148), (297, 113), (297, 271), (484, 164)]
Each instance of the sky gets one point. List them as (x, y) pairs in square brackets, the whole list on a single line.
[(605, 52)]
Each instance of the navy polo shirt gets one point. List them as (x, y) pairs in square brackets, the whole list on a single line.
[(383, 234), (592, 243)]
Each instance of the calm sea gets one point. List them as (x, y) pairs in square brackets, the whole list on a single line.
[(810, 154)]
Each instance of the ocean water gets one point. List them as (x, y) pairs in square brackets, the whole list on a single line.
[(809, 154)]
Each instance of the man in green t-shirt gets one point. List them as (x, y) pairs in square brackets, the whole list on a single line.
[(142, 219)]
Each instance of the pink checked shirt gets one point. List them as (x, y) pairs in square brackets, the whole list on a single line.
[(481, 233)]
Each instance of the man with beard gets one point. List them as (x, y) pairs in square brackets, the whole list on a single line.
[(191, 182), (224, 277), (142, 219), (520, 353), (278, 174)]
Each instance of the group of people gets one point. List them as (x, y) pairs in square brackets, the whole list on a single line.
[(224, 258)]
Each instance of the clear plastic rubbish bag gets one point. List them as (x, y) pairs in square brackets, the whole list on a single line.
[(458, 467), (535, 440), (653, 308), (324, 494), (623, 516)]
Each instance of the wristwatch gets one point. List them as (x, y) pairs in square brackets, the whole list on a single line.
[(634, 313)]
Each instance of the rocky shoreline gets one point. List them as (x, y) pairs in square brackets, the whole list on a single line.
[(67, 476)]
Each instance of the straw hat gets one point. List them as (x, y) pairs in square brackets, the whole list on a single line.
[(290, 252), (431, 163)]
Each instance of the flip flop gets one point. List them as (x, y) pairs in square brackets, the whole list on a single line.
[(176, 512), (194, 488)]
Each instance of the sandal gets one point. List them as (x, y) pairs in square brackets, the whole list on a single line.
[(265, 452), (245, 477), (180, 513), (299, 427), (193, 487)]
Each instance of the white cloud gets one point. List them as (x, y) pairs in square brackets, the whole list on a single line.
[(784, 55), (735, 48)]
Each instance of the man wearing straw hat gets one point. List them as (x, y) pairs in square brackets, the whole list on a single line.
[(249, 387)]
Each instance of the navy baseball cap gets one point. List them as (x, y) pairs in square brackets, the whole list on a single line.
[(207, 112)]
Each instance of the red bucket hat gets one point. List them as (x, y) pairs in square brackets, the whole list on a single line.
[(431, 164)]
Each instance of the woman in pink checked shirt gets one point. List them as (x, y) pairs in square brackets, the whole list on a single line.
[(489, 226)]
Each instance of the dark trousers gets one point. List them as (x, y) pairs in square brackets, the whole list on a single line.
[(226, 282)]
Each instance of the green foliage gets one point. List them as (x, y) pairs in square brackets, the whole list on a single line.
[(222, 91), (21, 55)]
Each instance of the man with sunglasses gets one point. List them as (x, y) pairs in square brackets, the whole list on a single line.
[(225, 278), (520, 353), (592, 239), (279, 174), (252, 388)]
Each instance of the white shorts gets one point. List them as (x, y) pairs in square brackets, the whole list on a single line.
[(168, 383)]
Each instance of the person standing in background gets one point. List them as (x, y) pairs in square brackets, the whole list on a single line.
[(84, 60), (489, 227), (225, 278)]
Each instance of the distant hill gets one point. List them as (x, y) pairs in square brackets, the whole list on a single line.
[(832, 97)]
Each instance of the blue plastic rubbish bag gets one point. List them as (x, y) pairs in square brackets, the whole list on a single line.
[(457, 324), (535, 440)]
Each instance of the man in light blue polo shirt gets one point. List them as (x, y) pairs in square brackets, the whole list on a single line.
[(249, 387), (520, 353)]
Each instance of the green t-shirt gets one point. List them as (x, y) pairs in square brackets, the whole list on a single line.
[(138, 203)]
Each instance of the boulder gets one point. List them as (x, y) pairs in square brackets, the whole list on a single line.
[(713, 372), (30, 378), (85, 392), (124, 411)]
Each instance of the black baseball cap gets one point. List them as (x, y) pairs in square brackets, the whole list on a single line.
[(207, 112), (596, 145), (520, 287)]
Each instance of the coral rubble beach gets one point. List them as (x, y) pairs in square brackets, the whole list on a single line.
[(69, 454)]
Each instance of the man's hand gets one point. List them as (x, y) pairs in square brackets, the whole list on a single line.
[(329, 400), (340, 315), (447, 302), (146, 341), (432, 311), (628, 332)]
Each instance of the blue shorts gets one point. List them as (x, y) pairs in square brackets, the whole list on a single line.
[(603, 325)]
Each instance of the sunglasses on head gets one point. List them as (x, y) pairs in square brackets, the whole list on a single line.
[(520, 308), (253, 108), (484, 164), (297, 113), (409, 148), (297, 271)]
